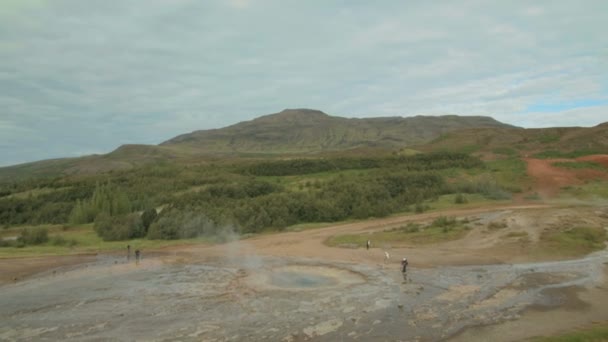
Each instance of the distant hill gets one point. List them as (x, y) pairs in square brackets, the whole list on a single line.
[(295, 132), (306, 130), (524, 141)]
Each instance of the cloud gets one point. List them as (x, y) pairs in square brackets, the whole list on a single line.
[(239, 4), (93, 76)]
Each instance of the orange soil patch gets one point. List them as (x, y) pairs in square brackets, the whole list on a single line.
[(550, 179)]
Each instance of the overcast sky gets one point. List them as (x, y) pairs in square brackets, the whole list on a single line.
[(85, 76)]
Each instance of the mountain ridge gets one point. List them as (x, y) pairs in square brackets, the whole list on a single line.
[(308, 132)]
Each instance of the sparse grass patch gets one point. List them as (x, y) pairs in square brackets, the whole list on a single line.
[(591, 334), (579, 165), (533, 197), (549, 154), (519, 234), (548, 138), (497, 225), (573, 242), (505, 151), (588, 191), (441, 229)]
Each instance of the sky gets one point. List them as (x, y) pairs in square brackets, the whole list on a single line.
[(79, 77)]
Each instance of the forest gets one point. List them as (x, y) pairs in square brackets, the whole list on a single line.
[(174, 201)]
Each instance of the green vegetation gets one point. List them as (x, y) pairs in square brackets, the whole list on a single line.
[(507, 151), (215, 200), (510, 174), (108, 199), (440, 230), (460, 199), (591, 190), (548, 138), (573, 241), (250, 196), (33, 236), (551, 154), (83, 240), (579, 165), (448, 201), (596, 333)]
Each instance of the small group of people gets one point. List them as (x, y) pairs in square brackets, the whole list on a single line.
[(137, 255), (387, 256)]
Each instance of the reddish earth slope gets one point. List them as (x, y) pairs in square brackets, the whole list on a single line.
[(549, 179)]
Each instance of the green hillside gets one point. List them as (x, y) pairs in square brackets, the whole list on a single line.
[(305, 130), (288, 133)]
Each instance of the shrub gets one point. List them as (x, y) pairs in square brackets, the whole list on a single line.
[(147, 217), (444, 221), (59, 240), (117, 228), (460, 199), (7, 243), (34, 236)]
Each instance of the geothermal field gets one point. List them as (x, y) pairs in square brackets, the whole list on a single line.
[(292, 287)]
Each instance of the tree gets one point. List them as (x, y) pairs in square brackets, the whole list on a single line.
[(147, 217)]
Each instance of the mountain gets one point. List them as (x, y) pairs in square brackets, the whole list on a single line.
[(306, 130)]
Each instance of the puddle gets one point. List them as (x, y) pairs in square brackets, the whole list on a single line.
[(290, 279), (303, 277)]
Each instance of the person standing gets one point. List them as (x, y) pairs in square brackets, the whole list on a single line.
[(369, 243), (137, 256), (404, 264)]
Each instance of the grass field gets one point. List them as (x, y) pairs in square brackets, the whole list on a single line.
[(85, 240), (509, 173), (575, 241), (591, 190), (441, 230)]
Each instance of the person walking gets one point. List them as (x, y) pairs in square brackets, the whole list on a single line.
[(369, 243), (137, 256)]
